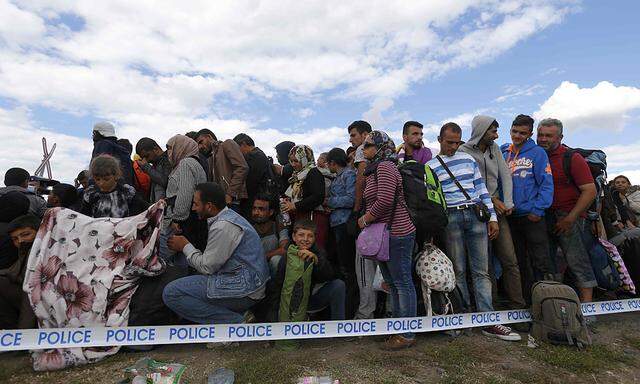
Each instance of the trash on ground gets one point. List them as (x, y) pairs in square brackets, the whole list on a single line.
[(222, 376), (149, 371)]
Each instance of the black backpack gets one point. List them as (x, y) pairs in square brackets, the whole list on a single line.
[(423, 196), (597, 162)]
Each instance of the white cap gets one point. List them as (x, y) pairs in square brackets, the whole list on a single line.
[(105, 128)]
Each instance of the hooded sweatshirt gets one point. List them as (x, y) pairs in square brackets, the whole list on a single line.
[(493, 168), (532, 178)]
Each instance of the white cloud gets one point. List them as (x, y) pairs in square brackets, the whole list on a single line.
[(304, 113), (603, 107), (161, 69), (514, 91)]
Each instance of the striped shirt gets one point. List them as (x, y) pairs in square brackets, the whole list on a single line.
[(379, 198), (466, 170), (181, 186)]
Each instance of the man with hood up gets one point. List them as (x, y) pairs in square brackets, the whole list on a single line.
[(105, 142), (532, 195), (482, 147)]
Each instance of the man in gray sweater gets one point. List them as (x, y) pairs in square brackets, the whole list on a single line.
[(497, 176)]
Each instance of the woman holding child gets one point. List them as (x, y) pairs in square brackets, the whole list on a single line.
[(385, 203)]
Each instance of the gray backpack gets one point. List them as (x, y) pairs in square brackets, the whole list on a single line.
[(557, 315)]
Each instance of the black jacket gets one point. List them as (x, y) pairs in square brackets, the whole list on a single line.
[(259, 172), (109, 146), (312, 191)]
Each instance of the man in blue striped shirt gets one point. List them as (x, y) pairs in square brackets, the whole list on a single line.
[(468, 237)]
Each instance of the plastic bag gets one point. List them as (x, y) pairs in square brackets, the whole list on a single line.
[(155, 372)]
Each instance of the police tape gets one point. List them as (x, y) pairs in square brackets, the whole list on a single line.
[(33, 339)]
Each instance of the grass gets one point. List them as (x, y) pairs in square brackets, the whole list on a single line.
[(591, 360)]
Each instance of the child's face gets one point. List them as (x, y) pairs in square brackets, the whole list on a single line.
[(23, 235), (106, 183), (304, 238)]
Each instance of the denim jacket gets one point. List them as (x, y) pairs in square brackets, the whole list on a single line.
[(342, 195), (246, 271)]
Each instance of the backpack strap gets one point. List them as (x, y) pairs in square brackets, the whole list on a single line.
[(567, 160), (454, 179)]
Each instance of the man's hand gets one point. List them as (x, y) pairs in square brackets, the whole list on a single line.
[(533, 218), (563, 226), (177, 243), (228, 199), (500, 207), (307, 255), (142, 162), (494, 230)]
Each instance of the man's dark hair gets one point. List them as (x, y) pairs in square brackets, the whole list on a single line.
[(338, 155), (263, 196), (361, 125), (146, 144), (24, 221), (450, 126), (16, 176), (82, 175), (193, 135), (523, 120), (243, 138), (405, 127), (126, 144), (206, 131), (304, 224), (212, 193), (67, 193)]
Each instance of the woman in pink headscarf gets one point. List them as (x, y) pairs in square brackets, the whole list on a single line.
[(187, 172)]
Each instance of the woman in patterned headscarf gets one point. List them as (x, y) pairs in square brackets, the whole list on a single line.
[(306, 192), (384, 198)]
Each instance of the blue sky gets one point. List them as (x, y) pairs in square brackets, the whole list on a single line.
[(281, 70)]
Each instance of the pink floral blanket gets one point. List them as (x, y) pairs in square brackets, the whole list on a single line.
[(82, 272)]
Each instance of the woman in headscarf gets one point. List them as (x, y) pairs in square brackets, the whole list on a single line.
[(306, 192), (186, 173), (384, 199)]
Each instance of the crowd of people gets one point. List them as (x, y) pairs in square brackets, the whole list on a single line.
[(245, 238)]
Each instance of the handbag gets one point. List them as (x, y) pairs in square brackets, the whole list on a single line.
[(479, 208), (373, 240)]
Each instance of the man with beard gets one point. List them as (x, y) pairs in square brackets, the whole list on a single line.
[(15, 310), (497, 177), (413, 147), (232, 270), (227, 166), (274, 236)]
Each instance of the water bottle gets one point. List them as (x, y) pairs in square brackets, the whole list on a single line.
[(286, 219)]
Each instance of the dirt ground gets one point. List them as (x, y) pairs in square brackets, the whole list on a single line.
[(437, 358)]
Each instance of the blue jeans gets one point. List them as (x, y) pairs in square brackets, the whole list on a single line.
[(172, 258), (468, 242), (187, 297), (332, 295), (397, 272)]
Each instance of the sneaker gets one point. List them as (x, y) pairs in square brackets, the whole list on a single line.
[(501, 332), (397, 342)]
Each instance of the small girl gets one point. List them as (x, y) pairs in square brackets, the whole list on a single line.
[(109, 196)]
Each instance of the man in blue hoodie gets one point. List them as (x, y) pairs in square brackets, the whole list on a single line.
[(532, 195)]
